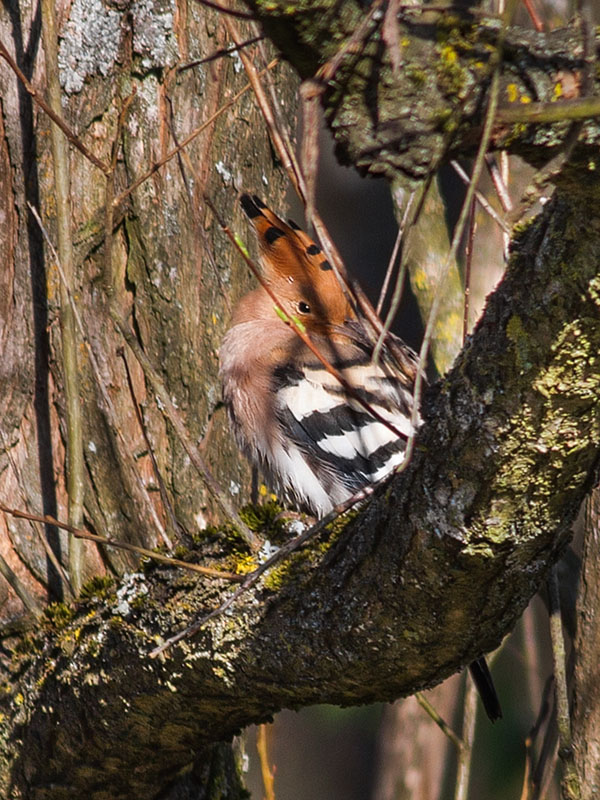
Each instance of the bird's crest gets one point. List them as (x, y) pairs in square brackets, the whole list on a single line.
[(296, 268)]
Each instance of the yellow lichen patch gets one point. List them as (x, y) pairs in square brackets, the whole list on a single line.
[(512, 92), (245, 564), (264, 492), (419, 279), (450, 73), (97, 588), (289, 570), (59, 614), (449, 55)]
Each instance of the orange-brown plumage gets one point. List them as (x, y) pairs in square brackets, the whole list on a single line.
[(297, 271), (318, 438)]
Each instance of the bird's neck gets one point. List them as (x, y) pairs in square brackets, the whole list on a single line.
[(256, 307)]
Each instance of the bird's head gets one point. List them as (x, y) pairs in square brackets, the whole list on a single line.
[(297, 271)]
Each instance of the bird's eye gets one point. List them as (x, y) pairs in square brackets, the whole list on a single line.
[(303, 307)]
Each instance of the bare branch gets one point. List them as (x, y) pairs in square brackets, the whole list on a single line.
[(54, 116), (69, 338), (80, 533)]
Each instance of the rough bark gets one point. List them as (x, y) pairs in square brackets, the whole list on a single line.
[(429, 575), (175, 283)]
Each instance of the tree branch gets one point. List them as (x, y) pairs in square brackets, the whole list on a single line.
[(434, 572), (403, 123)]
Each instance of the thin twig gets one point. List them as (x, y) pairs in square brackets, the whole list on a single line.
[(439, 721), (390, 33), (473, 11), (225, 10), (535, 18), (570, 783), (327, 71), (531, 779), (266, 771), (499, 183), (504, 177), (547, 778), (110, 278), (285, 154), (164, 495), (171, 413), (481, 199), (108, 406), (468, 264), (223, 51), (75, 470), (499, 176), (571, 110), (391, 264), (81, 533), (183, 156), (278, 110), (309, 144), (465, 754), (408, 219), (55, 117), (50, 554), (28, 600)]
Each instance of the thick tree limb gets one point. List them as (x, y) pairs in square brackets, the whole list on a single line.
[(403, 123), (433, 573)]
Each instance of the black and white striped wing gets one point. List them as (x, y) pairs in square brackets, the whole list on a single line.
[(331, 445)]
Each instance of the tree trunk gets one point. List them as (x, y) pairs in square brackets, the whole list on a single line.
[(174, 277), (585, 691)]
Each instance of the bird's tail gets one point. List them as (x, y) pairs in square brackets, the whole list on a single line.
[(485, 686)]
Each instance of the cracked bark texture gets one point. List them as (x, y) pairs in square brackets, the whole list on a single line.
[(429, 575)]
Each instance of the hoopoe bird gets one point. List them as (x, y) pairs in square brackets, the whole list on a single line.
[(317, 440)]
